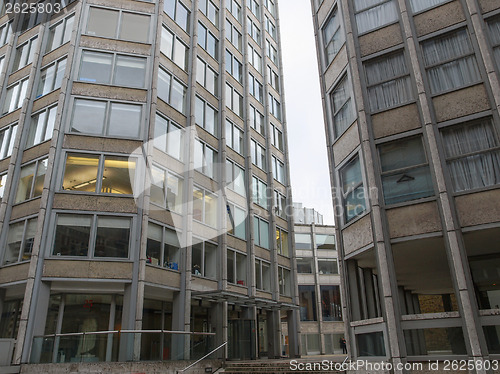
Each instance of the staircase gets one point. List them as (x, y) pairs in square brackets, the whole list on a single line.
[(271, 367)]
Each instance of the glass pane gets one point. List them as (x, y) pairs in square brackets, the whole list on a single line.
[(130, 71), (210, 270), (325, 241), (174, 193), (180, 54), (305, 265), (410, 185), (327, 266), (174, 141), (197, 204), (230, 267), (153, 249), (134, 27), (14, 242), (72, 235), (303, 241), (88, 116), (80, 173), (435, 341), (157, 189), (197, 251), (211, 209), (264, 234), (112, 238), (402, 154), (167, 42), (25, 183), (95, 67), (331, 307), (102, 22), (29, 238), (118, 175), (125, 120)]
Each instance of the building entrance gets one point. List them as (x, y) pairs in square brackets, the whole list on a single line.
[(241, 339)]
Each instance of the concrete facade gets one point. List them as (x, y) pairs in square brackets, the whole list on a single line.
[(417, 222), (144, 181)]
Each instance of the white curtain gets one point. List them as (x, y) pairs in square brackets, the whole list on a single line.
[(494, 29), (475, 170), (418, 5), (457, 73), (378, 16)]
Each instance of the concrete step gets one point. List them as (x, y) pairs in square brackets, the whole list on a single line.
[(10, 369), (281, 367)]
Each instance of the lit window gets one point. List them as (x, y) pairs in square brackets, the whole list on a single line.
[(163, 248), (42, 126), (210, 11), (92, 236), (173, 47), (236, 267), (205, 158), (15, 96), (262, 275), (261, 232), (343, 106), (99, 173), (235, 176), (206, 116), (353, 191), (24, 54), (259, 192), (168, 137), (171, 90), (237, 221), (107, 118), (333, 37), (373, 14), (450, 62), (178, 12), (207, 41), (7, 138), (405, 171), (204, 259), (207, 76), (166, 189), (234, 100), (31, 180), (51, 77), (473, 155), (20, 241), (257, 120), (282, 241), (388, 81), (60, 33), (204, 206)]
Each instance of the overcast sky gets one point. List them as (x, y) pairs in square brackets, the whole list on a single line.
[(304, 112)]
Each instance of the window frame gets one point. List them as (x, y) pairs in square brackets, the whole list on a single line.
[(32, 195), (175, 41), (231, 139), (203, 266), (259, 275), (24, 240), (259, 192), (45, 126), (258, 235), (351, 189), (232, 226), (162, 263), (31, 45), (50, 44), (370, 7), (231, 184), (235, 253), (278, 165), (168, 99), (166, 147), (55, 77), (7, 143), (165, 203), (176, 17), (22, 85), (230, 100), (208, 167), (204, 213), (256, 150), (280, 204), (208, 36), (202, 78), (280, 242)]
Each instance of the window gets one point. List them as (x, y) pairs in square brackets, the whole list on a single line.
[(234, 8), (15, 95), (494, 32), (60, 33), (259, 192), (405, 171), (333, 37), (108, 118), (208, 41), (2, 60), (7, 138), (255, 88), (327, 266), (307, 302), (450, 62), (258, 154), (418, 5), (274, 107), (234, 100), (253, 30), (207, 77), (163, 248), (206, 116), (277, 137), (234, 67), (166, 189), (282, 241), (253, 5), (205, 158), (118, 24), (278, 170), (303, 241), (5, 33), (233, 35), (262, 275), (331, 307), (111, 68), (51, 77), (270, 27), (280, 207), (204, 259), (236, 267), (343, 106), (324, 241), (353, 190), (305, 265), (31, 180), (261, 232), (24, 54), (234, 137), (235, 176), (204, 206), (10, 318), (178, 12), (274, 79), (210, 11), (30, 20), (171, 90), (284, 281), (237, 221), (373, 14), (473, 155), (272, 52), (271, 7), (96, 173), (20, 241), (388, 82), (3, 182), (173, 47), (92, 236), (168, 137), (42, 126), (257, 120)]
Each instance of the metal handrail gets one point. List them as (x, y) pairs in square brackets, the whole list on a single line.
[(125, 332), (208, 354)]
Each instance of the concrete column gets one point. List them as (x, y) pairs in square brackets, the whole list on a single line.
[(178, 325), (352, 278), (293, 335)]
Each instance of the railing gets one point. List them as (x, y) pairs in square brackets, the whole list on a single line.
[(118, 345), (204, 357)]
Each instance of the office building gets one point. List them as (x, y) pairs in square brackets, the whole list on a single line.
[(144, 181), (411, 94)]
